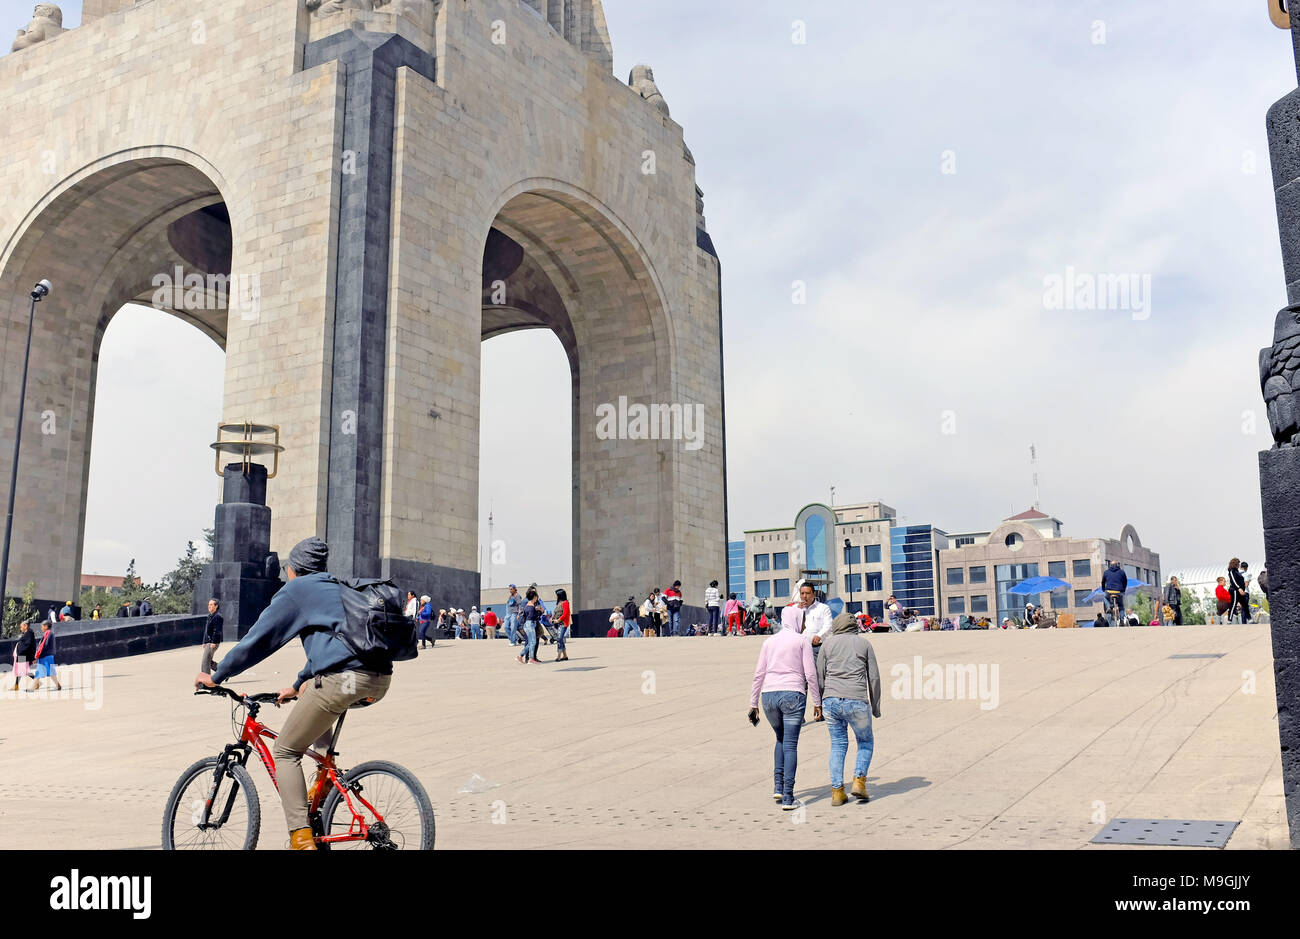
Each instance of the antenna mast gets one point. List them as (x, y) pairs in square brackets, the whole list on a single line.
[(1033, 462)]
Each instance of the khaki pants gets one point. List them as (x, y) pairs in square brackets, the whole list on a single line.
[(209, 654), (311, 721)]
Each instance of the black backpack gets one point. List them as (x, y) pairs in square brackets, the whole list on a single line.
[(375, 628)]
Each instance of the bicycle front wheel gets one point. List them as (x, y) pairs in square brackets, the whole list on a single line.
[(405, 815), (233, 821)]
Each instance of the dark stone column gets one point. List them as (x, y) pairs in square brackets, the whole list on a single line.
[(369, 63)]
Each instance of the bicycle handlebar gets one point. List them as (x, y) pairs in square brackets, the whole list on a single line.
[(262, 697)]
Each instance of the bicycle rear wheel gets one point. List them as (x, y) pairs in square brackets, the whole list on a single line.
[(396, 795), (233, 794)]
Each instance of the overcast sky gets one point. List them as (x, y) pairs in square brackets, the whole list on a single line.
[(925, 170)]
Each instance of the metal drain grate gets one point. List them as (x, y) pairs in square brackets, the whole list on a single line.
[(1165, 832), (1198, 655)]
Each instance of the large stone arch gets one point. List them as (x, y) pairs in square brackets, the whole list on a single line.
[(582, 276), (365, 157), (104, 236)]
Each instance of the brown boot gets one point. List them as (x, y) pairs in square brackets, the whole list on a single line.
[(300, 839), (838, 797), (859, 791)]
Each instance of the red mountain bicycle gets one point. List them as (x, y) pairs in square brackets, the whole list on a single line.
[(377, 805)]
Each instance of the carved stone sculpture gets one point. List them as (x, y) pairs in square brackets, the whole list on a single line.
[(330, 7), (642, 81), (422, 13), (1279, 378), (47, 22)]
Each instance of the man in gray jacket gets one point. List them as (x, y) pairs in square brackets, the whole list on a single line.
[(850, 684)]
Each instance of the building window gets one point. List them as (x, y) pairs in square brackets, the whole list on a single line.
[(979, 604), (781, 588), (1060, 599), (876, 610), (979, 575), (762, 588), (1083, 568), (956, 576), (875, 581), (962, 542), (1014, 541), (873, 553), (781, 561), (761, 562), (1056, 569), (853, 555), (815, 542), (852, 583), (1080, 596), (956, 604), (1132, 571)]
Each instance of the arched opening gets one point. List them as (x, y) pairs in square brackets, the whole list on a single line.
[(525, 476), (151, 230), (554, 261), (157, 399)]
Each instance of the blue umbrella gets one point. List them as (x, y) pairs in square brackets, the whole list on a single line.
[(836, 604), (1038, 585)]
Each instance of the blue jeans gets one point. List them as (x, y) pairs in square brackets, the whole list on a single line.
[(631, 626), (841, 714), (424, 630), (715, 618), (675, 622), (476, 631), (530, 640), (511, 626), (563, 634), (784, 711)]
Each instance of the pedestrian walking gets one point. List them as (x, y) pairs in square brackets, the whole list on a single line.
[(1223, 599), (530, 616), (412, 606), (45, 667), (673, 601), (849, 679), (1237, 587), (1174, 600), (490, 623), (24, 653), (630, 624), (783, 679), (514, 606), (732, 612), (562, 620), (424, 618), (475, 621), (713, 603), (213, 633)]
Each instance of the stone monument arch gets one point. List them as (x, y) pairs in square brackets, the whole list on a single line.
[(352, 196)]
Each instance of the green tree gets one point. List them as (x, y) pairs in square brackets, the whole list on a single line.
[(1194, 607), (17, 610)]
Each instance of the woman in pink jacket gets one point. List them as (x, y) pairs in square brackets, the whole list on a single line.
[(785, 676), (731, 612)]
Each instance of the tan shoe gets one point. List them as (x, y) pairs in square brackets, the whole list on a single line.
[(859, 791), (838, 797), (300, 839)]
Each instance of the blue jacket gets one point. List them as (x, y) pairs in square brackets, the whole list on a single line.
[(1114, 579), (307, 607)]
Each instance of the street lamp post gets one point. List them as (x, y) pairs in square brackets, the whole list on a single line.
[(39, 293), (848, 556)]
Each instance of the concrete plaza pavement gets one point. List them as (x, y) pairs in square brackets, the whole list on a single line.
[(644, 744)]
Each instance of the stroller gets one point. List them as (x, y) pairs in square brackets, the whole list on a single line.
[(753, 616)]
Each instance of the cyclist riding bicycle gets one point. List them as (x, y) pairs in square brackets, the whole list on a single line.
[(1115, 582), (308, 607)]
